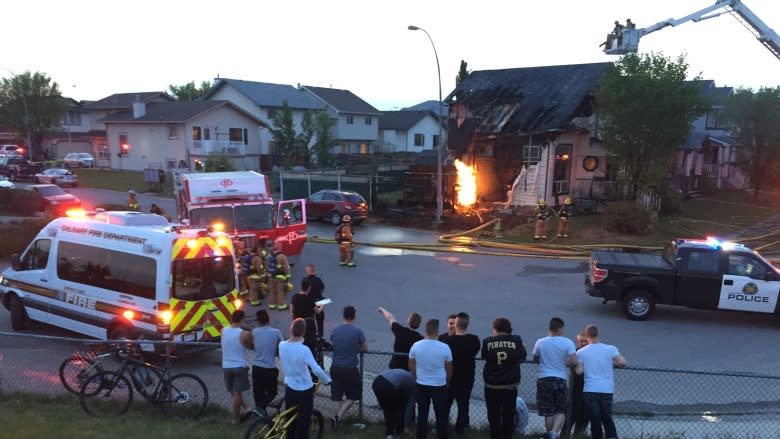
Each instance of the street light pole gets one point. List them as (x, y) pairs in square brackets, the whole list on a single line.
[(439, 155)]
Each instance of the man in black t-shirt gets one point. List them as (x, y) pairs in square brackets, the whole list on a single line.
[(302, 306), (503, 353), (464, 347), (405, 337), (317, 287)]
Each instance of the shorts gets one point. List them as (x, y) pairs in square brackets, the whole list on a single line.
[(346, 381), (236, 379), (551, 393)]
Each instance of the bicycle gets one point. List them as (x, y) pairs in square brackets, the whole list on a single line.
[(275, 427), (108, 393), (74, 370)]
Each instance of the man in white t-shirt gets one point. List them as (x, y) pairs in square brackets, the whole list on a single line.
[(555, 354), (430, 362), (596, 361), (236, 341)]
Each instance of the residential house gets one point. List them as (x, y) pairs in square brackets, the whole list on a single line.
[(262, 100), (169, 135), (408, 131), (530, 132), (709, 152), (82, 130), (357, 128), (431, 105)]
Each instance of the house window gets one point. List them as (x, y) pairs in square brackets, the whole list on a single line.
[(435, 140), (368, 120), (123, 141), (206, 133), (419, 139), (364, 148), (71, 118), (532, 153), (271, 113), (715, 120), (170, 163), (350, 120), (196, 133), (103, 152), (246, 136), (173, 132), (236, 135)]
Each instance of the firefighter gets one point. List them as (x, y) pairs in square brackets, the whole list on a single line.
[(257, 278), (542, 215), (564, 216), (279, 274), (132, 201), (344, 237), (244, 259)]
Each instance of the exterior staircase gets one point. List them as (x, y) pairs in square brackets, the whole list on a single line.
[(525, 188)]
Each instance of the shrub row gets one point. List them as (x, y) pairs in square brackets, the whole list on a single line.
[(17, 235), (19, 202)]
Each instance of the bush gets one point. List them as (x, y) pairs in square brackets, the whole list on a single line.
[(18, 235), (671, 201), (627, 218), (20, 202)]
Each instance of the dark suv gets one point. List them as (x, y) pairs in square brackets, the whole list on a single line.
[(331, 205)]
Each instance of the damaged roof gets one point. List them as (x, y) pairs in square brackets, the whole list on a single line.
[(528, 100)]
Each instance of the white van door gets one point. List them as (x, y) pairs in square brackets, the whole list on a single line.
[(33, 278), (748, 285)]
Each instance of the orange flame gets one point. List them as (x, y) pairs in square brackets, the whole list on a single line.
[(466, 185)]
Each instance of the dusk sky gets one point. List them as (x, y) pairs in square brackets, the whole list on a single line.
[(96, 48)]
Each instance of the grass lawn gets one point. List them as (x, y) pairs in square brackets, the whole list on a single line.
[(116, 180), (719, 214), (32, 417)]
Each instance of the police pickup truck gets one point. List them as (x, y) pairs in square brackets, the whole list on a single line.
[(705, 274)]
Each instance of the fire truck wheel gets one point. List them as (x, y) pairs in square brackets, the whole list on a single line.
[(19, 319), (335, 218), (638, 304)]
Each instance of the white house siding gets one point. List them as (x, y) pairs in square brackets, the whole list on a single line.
[(149, 145), (220, 121), (428, 127), (580, 178), (358, 131)]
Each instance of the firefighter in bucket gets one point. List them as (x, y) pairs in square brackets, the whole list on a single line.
[(564, 217), (542, 214), (344, 237)]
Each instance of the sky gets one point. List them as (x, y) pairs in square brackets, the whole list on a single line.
[(93, 49)]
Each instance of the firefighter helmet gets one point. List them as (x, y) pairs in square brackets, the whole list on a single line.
[(346, 218), (542, 202), (567, 201), (132, 192)]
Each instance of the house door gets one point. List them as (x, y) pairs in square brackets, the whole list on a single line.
[(562, 169)]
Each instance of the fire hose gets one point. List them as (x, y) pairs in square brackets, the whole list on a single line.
[(463, 243)]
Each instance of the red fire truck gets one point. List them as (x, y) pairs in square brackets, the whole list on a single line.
[(241, 203)]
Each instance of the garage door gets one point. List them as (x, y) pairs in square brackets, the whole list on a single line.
[(64, 148)]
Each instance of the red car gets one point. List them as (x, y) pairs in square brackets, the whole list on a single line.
[(331, 205), (54, 199)]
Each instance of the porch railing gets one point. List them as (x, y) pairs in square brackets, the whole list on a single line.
[(206, 147)]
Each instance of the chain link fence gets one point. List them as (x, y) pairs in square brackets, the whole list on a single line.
[(648, 402), (379, 189)]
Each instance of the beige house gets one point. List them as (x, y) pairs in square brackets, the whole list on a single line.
[(167, 135)]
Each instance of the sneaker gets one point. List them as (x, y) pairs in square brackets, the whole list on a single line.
[(351, 264), (334, 422), (255, 302), (272, 306), (282, 307), (342, 263)]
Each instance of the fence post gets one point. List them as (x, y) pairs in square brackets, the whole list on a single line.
[(308, 178), (370, 195), (281, 185), (360, 403)]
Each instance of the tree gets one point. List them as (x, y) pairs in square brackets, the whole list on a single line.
[(219, 163), (324, 140), (645, 110), (189, 91), (462, 73), (754, 119), (283, 132), (31, 105)]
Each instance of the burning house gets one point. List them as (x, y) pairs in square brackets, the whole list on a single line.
[(524, 134)]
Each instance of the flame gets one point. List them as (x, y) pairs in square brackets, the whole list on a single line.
[(466, 185)]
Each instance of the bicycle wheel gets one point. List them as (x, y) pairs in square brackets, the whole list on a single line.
[(183, 395), (75, 369), (263, 428), (317, 425), (106, 394)]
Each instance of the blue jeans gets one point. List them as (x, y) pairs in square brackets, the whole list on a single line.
[(599, 407), (426, 394)]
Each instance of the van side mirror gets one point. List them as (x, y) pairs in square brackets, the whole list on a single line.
[(16, 264)]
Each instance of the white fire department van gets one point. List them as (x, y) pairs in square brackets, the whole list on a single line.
[(241, 202), (124, 275)]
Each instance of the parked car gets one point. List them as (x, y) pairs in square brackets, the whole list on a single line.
[(331, 205), (79, 160), (15, 167), (10, 150), (54, 199), (6, 184), (58, 176)]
